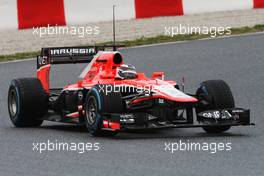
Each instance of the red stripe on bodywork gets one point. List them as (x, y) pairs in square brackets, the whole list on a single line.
[(112, 125), (258, 3), (36, 13), (43, 76), (73, 115), (153, 8)]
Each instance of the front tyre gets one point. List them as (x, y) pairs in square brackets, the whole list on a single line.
[(219, 96), (27, 102), (92, 117), (98, 102)]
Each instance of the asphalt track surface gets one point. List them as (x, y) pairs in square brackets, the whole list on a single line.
[(238, 60)]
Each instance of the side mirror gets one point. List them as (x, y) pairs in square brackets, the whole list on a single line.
[(156, 75)]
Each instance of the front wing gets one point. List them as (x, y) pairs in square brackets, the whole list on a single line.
[(139, 121)]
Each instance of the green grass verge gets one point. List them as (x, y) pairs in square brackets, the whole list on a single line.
[(145, 41)]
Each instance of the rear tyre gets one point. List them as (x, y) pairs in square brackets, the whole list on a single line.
[(219, 96), (27, 102), (98, 102)]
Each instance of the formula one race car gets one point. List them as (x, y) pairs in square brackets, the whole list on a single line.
[(113, 97)]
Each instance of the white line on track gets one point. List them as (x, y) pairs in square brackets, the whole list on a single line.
[(158, 44), (15, 61), (203, 39)]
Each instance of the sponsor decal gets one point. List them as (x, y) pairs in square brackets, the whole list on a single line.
[(161, 101), (217, 114), (72, 51), (42, 60)]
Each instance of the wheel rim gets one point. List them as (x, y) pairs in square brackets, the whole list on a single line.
[(91, 111), (12, 103)]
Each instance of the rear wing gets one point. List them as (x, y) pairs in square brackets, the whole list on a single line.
[(70, 55), (66, 55)]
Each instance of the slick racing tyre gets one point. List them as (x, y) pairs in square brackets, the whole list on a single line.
[(219, 96), (27, 102), (99, 101)]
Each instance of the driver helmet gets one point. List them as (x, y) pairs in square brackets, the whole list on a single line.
[(126, 72)]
